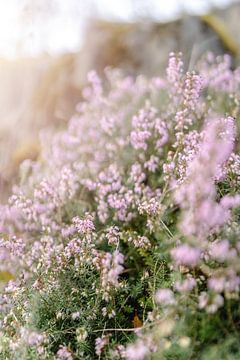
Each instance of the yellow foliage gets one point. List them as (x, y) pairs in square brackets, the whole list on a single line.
[(220, 28), (5, 276)]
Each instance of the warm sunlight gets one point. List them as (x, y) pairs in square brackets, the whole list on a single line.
[(9, 27), (55, 26)]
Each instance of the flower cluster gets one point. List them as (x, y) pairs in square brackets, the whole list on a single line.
[(123, 240)]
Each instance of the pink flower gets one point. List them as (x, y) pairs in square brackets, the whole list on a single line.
[(192, 88), (85, 225), (64, 353), (229, 202), (216, 284), (197, 194), (210, 304), (100, 343), (186, 285), (219, 250), (136, 351), (164, 297), (186, 255), (175, 71)]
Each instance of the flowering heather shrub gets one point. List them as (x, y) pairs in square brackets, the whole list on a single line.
[(123, 240)]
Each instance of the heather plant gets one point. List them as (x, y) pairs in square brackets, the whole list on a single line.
[(122, 241)]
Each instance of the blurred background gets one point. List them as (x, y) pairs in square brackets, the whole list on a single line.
[(48, 46)]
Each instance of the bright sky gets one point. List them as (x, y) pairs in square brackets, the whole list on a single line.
[(30, 27)]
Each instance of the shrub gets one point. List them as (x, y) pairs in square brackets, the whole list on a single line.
[(122, 240)]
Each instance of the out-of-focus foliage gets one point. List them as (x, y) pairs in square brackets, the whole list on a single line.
[(42, 93)]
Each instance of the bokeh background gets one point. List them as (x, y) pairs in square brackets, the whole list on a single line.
[(47, 48)]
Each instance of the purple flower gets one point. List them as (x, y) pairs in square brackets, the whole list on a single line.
[(64, 353), (185, 286), (164, 297), (186, 255), (136, 351)]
